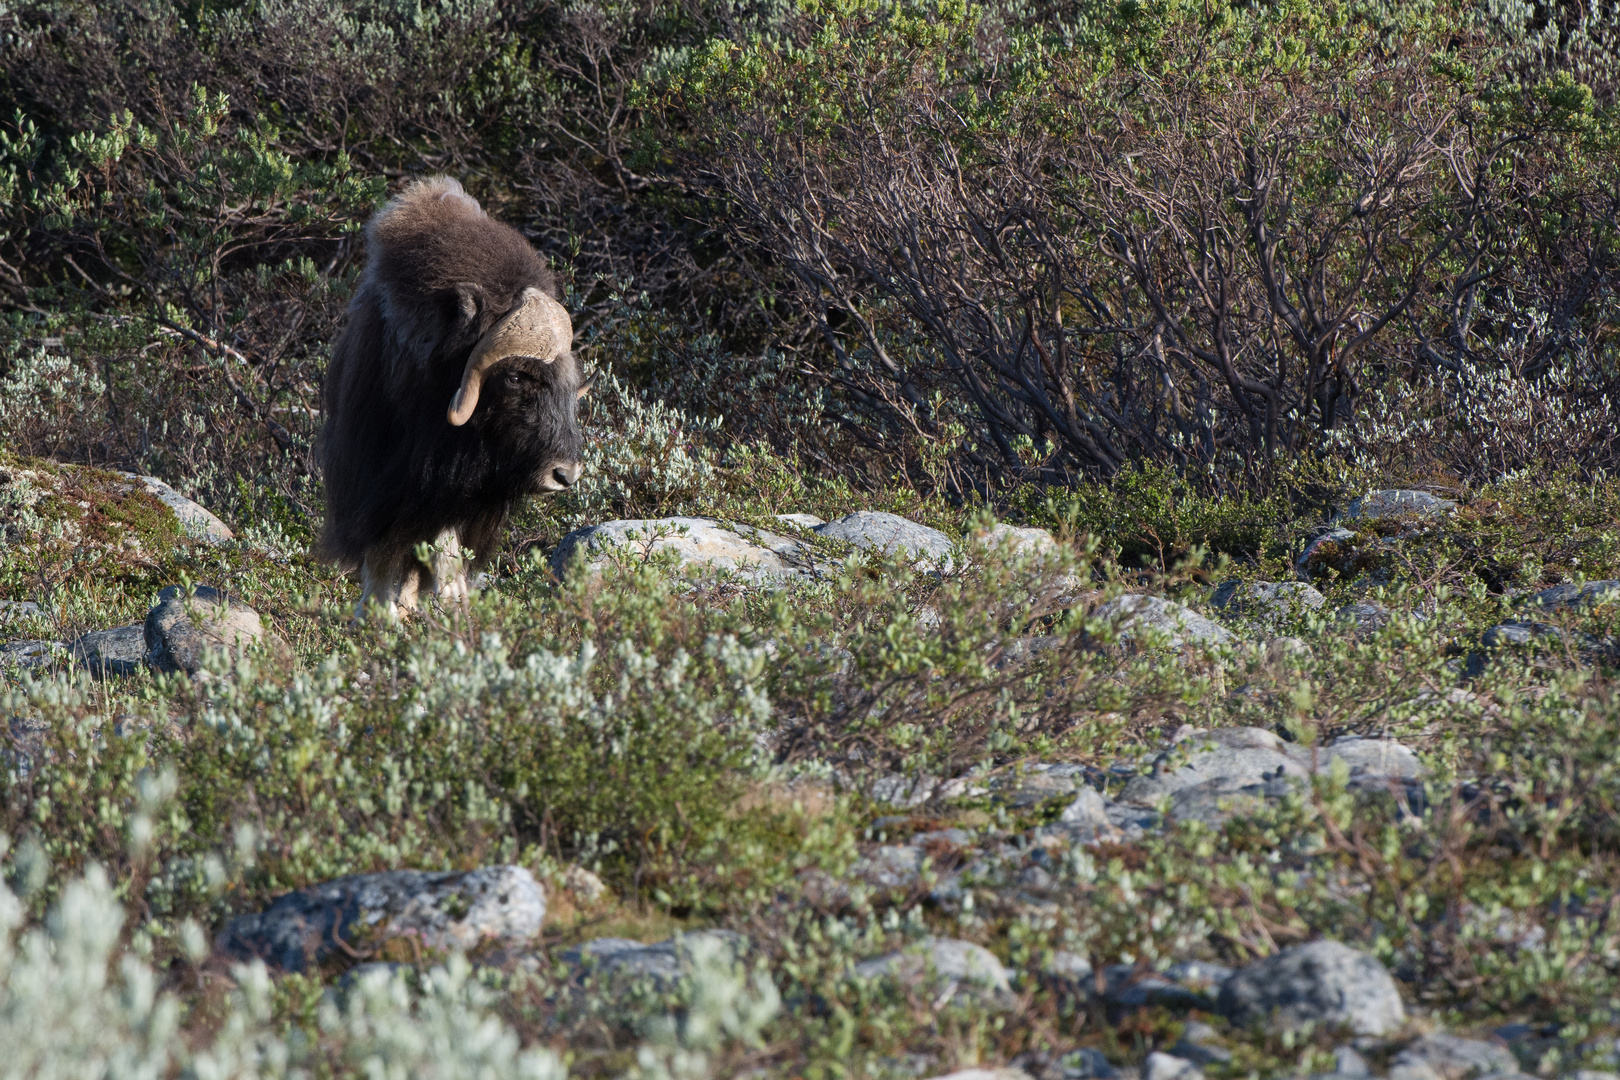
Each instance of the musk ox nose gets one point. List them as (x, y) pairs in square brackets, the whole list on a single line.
[(560, 475)]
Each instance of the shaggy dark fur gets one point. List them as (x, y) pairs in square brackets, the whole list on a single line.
[(440, 273)]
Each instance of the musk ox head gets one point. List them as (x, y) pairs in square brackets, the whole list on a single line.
[(452, 393)]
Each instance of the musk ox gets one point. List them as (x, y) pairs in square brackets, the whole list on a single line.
[(451, 394)]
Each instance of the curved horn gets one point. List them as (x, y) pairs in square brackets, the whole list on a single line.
[(537, 326)]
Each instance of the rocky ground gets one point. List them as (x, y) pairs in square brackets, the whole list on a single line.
[(1277, 850)]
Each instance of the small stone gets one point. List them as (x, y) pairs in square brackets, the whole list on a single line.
[(1327, 550), (941, 960), (197, 522), (119, 651), (1088, 810), (1162, 1066), (665, 963), (1151, 616), (1225, 770), (890, 534), (583, 885), (804, 521), (985, 1074), (1031, 786), (180, 631), (751, 554), (1324, 982), (1017, 540), (1087, 1064), (890, 866), (1070, 967), (27, 655), (18, 609), (1398, 505), (1452, 1057), (1347, 1062), (1364, 617), (405, 913), (1281, 650), (1519, 632), (1266, 597), (1565, 597)]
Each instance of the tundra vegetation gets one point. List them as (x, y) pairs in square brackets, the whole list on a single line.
[(1175, 281)]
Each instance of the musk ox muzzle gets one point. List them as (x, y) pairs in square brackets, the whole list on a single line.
[(452, 394)]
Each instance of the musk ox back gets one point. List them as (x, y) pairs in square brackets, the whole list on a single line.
[(451, 394)]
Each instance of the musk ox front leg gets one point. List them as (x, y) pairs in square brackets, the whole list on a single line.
[(393, 581)]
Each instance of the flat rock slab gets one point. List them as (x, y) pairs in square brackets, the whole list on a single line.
[(180, 631), (749, 553), (941, 961), (1161, 1066), (196, 521), (406, 913), (1141, 618), (1398, 504), (890, 534), (1325, 983), (119, 651)]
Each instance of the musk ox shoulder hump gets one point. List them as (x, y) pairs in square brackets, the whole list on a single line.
[(427, 246)]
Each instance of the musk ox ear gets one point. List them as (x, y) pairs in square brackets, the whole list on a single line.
[(470, 301), (536, 326)]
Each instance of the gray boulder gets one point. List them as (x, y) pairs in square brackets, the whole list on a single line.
[(1143, 617), (1519, 632), (703, 543), (1451, 1057), (890, 534), (942, 961), (18, 609), (399, 914), (197, 522), (1398, 505), (1324, 982), (181, 630), (119, 651), (1567, 597)]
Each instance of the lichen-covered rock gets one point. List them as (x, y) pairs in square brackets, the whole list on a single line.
[(890, 534), (181, 630), (1143, 618), (1363, 617), (396, 915), (751, 554), (196, 521), (119, 651), (941, 961), (1397, 505), (1325, 983)]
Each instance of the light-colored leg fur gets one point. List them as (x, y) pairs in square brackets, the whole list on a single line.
[(391, 581)]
